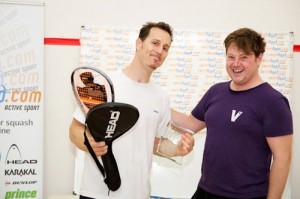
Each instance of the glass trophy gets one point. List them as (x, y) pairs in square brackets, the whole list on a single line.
[(168, 143)]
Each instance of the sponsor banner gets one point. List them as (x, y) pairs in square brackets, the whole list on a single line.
[(21, 100)]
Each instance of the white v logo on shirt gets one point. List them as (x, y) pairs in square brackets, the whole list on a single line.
[(235, 116)]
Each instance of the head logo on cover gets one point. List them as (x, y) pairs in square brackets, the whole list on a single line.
[(106, 120)]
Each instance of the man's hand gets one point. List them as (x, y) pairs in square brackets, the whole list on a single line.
[(100, 148), (185, 145)]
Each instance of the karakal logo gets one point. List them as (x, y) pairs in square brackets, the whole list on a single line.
[(19, 172), (20, 194)]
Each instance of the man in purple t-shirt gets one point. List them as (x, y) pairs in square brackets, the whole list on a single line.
[(249, 126)]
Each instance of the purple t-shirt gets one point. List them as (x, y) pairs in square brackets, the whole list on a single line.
[(237, 158)]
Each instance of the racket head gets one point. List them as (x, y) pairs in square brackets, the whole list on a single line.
[(91, 87)]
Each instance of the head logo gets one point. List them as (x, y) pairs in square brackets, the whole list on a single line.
[(13, 154), (112, 124)]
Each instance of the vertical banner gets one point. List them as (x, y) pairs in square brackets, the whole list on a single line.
[(21, 100)]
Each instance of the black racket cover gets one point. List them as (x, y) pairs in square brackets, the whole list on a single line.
[(107, 122)]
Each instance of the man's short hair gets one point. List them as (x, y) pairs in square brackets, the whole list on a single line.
[(145, 30)]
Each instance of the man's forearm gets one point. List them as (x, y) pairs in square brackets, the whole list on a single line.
[(76, 135), (278, 178)]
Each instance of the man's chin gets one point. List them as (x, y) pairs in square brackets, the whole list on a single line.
[(154, 67)]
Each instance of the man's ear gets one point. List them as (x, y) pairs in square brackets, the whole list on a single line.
[(259, 59), (138, 44)]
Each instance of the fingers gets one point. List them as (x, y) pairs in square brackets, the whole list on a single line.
[(187, 143), (100, 148)]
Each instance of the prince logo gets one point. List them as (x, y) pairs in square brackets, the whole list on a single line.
[(112, 124)]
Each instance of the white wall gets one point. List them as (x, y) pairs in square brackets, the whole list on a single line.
[(63, 19)]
